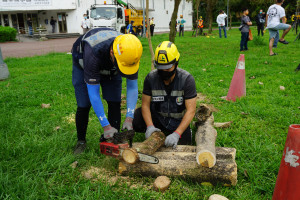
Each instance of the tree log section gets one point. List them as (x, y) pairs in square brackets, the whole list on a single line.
[(182, 163), (205, 140), (149, 146)]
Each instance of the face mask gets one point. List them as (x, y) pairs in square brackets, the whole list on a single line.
[(165, 75), (260, 12), (85, 17)]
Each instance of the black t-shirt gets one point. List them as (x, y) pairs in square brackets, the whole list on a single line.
[(189, 87)]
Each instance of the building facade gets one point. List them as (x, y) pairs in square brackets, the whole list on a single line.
[(69, 13)]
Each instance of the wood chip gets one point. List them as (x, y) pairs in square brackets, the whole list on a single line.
[(74, 164), (252, 77), (266, 62), (246, 173), (45, 105), (161, 183), (223, 97), (222, 125), (243, 113), (282, 87), (57, 128), (204, 70), (226, 66), (220, 80), (217, 197), (260, 83)]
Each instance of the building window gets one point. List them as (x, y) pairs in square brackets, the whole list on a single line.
[(78, 3), (165, 4)]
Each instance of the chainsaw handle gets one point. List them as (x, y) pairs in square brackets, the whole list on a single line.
[(102, 139)]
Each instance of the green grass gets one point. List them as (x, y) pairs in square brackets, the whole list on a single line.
[(35, 158)]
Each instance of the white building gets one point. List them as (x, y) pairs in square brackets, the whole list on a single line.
[(69, 13)]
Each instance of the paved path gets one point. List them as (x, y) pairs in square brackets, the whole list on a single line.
[(30, 47)]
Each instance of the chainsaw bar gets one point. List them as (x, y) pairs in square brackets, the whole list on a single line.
[(147, 158)]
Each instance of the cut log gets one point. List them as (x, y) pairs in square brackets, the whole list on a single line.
[(202, 113), (217, 197), (222, 125), (161, 183), (149, 146), (181, 163), (205, 141)]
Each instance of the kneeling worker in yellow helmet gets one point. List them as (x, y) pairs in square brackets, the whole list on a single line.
[(169, 99), (101, 57)]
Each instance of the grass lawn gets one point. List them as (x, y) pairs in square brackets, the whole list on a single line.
[(36, 143)]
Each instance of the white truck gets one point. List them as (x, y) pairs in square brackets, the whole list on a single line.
[(116, 16), (108, 15)]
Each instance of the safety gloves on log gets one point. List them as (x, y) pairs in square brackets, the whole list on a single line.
[(172, 140), (151, 129), (127, 124), (109, 131)]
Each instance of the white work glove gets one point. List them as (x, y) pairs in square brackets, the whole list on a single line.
[(151, 129), (172, 140), (109, 131), (127, 124)]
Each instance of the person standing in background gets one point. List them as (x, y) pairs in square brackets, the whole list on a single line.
[(85, 24), (221, 23), (181, 25), (29, 24), (260, 22), (152, 26), (245, 21), (274, 15), (52, 23)]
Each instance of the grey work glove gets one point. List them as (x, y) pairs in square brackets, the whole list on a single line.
[(172, 140), (127, 124), (109, 131), (150, 130)]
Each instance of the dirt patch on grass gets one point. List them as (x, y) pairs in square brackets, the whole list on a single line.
[(200, 97), (70, 118), (100, 174)]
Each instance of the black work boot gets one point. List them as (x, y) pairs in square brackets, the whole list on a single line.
[(80, 147)]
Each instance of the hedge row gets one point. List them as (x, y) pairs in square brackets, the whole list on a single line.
[(7, 34)]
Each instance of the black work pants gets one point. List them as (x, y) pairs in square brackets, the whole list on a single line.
[(139, 125), (151, 29), (260, 29), (181, 31)]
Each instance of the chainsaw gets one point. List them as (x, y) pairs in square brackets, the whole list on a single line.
[(119, 142)]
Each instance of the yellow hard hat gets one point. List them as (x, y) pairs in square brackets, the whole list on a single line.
[(128, 51), (166, 55)]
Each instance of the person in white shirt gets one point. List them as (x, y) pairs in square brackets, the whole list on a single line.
[(85, 24), (221, 23), (274, 15)]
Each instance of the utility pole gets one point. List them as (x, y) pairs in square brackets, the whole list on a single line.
[(143, 5), (227, 12)]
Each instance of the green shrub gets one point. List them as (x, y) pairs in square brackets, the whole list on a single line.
[(7, 34), (258, 41)]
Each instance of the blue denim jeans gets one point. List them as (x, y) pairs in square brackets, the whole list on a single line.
[(220, 31), (244, 41), (30, 30)]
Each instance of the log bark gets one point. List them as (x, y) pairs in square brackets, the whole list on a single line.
[(205, 140), (181, 163), (149, 146)]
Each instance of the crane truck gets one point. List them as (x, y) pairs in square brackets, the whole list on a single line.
[(116, 16)]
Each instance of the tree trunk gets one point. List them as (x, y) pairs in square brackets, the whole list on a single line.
[(181, 163), (149, 35), (209, 14), (149, 147), (205, 141), (174, 21), (230, 22)]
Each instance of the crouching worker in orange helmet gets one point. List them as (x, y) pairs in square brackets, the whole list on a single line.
[(168, 100), (101, 57)]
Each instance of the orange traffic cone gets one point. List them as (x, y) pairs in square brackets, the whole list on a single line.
[(238, 85), (288, 179)]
